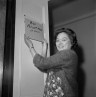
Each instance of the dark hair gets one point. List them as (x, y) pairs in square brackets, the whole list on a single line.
[(71, 34)]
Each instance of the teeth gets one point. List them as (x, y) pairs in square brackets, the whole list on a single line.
[(60, 46)]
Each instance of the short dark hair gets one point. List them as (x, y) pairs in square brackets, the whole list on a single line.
[(71, 34)]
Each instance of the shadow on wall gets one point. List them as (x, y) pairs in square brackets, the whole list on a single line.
[(81, 78)]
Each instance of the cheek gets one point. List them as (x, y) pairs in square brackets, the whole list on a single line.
[(56, 44), (64, 43), (61, 43), (67, 44)]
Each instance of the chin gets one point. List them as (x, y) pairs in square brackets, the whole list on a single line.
[(61, 49)]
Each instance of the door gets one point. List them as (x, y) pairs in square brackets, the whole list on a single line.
[(28, 80), (2, 38)]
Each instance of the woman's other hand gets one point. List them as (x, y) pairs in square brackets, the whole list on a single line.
[(28, 42), (44, 48), (45, 43)]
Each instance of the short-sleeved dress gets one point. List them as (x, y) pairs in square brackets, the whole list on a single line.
[(61, 71)]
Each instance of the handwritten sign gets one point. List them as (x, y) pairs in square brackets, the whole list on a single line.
[(34, 30)]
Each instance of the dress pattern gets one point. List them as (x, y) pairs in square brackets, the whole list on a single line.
[(53, 86)]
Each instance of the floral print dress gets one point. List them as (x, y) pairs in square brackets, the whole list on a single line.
[(53, 86)]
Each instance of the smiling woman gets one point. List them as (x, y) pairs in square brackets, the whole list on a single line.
[(66, 39), (61, 68), (63, 41)]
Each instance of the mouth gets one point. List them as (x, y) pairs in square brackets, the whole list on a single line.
[(60, 47)]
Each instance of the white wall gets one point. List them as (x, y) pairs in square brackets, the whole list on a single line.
[(28, 80)]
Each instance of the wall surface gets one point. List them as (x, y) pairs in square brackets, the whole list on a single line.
[(73, 10), (28, 80)]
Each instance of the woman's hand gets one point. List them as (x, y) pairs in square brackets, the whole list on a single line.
[(28, 42), (45, 43), (44, 48), (30, 45)]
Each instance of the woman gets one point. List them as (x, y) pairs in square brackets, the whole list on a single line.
[(61, 67)]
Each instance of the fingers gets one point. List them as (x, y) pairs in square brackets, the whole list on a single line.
[(26, 38), (45, 41), (28, 41), (44, 35)]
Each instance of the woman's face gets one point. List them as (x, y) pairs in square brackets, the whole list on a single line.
[(63, 42)]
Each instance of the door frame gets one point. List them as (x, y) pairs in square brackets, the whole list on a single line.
[(8, 60)]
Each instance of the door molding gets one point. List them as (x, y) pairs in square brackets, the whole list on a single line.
[(8, 61)]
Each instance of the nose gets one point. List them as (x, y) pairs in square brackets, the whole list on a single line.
[(60, 43)]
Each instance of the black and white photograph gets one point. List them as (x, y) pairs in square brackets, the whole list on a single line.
[(47, 48)]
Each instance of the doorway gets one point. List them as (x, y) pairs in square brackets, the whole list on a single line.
[(79, 15)]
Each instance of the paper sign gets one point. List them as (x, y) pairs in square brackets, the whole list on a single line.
[(34, 30)]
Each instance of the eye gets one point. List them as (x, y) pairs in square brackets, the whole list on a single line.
[(57, 40), (64, 39)]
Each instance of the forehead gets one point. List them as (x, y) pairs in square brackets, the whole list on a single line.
[(62, 35)]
